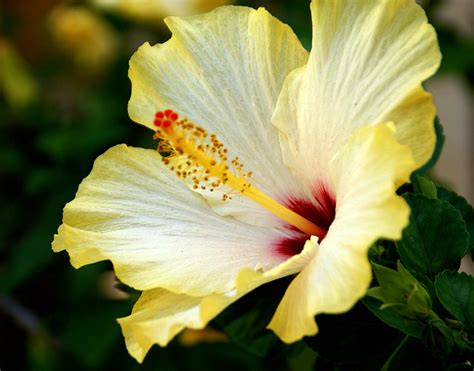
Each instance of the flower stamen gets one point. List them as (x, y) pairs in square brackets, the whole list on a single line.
[(193, 154)]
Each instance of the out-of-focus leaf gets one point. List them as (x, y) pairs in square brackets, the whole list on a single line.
[(12, 160), (28, 257), (436, 238), (10, 213), (33, 251), (91, 332), (458, 52), (40, 180), (41, 356)]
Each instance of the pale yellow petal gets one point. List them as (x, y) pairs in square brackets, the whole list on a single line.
[(414, 118), (159, 315), (134, 211), (224, 71), (364, 175), (367, 63)]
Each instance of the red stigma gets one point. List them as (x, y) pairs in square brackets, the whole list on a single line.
[(165, 118)]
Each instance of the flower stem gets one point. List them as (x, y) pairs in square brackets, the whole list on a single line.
[(387, 364)]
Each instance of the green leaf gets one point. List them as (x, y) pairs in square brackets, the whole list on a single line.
[(456, 292), (437, 151), (436, 238), (400, 291), (424, 186), (404, 300), (460, 203), (409, 326)]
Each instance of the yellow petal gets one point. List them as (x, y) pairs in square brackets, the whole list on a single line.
[(414, 117), (368, 60), (132, 210), (224, 70), (364, 176), (159, 315)]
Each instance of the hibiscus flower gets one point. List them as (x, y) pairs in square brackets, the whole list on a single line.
[(278, 162)]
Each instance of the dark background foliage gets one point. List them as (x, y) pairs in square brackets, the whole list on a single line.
[(53, 317)]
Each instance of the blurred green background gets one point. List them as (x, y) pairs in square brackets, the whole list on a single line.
[(63, 101)]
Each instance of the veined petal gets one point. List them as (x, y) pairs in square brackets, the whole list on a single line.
[(365, 175), (368, 60), (159, 315), (132, 210), (224, 70)]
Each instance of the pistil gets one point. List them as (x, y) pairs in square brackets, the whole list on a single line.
[(204, 161)]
